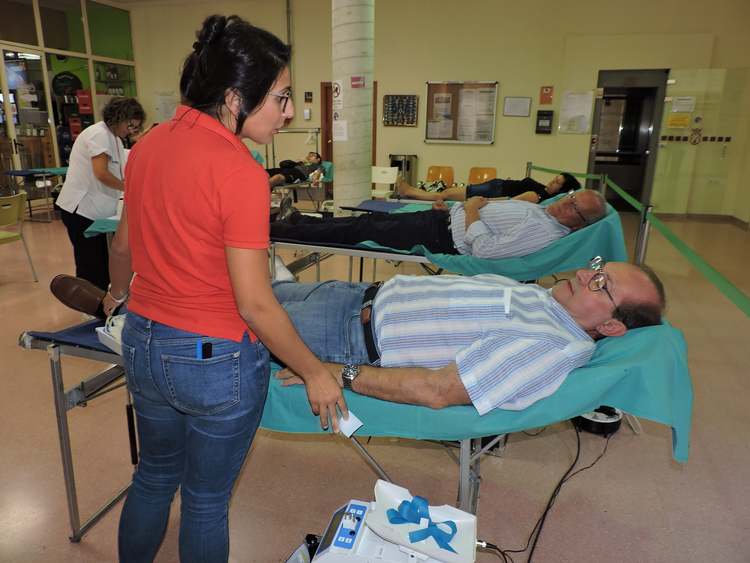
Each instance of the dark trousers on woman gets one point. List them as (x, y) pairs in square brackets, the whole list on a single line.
[(394, 230), (91, 254)]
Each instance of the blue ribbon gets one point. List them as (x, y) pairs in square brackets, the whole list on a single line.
[(413, 512)]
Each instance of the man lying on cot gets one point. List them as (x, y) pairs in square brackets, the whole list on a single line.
[(484, 340), (291, 172), (478, 227), (526, 189)]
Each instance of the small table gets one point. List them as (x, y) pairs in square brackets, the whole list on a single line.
[(40, 174)]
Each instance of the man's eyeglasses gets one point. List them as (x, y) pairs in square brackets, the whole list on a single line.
[(283, 99), (598, 281), (572, 196), (134, 126)]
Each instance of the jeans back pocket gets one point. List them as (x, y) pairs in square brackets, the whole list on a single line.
[(203, 386)]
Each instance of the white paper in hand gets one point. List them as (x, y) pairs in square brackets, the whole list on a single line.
[(350, 426)]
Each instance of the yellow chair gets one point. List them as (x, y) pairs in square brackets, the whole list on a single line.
[(480, 174), (11, 223), (444, 173)]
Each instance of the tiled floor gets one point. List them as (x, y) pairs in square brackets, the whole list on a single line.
[(636, 504)]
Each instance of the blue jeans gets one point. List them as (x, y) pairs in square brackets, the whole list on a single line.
[(196, 421), (326, 316)]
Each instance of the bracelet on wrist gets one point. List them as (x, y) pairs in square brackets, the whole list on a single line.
[(119, 300)]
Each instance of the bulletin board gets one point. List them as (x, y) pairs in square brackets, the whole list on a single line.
[(461, 112)]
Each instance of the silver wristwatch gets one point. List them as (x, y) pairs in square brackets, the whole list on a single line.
[(349, 373)]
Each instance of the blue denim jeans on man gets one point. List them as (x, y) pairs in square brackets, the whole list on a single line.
[(326, 316), (196, 421)]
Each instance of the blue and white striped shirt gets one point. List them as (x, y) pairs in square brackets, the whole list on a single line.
[(505, 229), (513, 343)]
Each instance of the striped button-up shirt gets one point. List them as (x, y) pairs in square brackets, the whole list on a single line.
[(513, 343), (505, 229)]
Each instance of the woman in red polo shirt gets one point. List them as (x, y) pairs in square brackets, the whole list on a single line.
[(196, 232)]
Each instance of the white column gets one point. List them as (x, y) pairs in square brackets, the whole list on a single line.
[(353, 46)]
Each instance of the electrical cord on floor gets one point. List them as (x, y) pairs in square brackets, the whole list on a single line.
[(535, 433), (505, 554)]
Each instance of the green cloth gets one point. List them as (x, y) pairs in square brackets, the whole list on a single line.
[(100, 226), (643, 373), (62, 171)]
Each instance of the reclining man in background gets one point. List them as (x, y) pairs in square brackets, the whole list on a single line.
[(480, 228), (526, 189), (291, 172), (484, 340)]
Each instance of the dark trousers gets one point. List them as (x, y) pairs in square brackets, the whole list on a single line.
[(490, 188), (291, 175), (394, 230), (91, 254)]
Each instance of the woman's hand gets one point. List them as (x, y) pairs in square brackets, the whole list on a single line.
[(325, 392), (325, 395), (109, 304)]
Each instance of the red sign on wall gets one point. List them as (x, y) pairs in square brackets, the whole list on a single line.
[(84, 102), (358, 81), (545, 95)]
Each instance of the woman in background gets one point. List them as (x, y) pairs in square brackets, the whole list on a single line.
[(94, 184)]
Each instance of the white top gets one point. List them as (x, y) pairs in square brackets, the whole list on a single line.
[(513, 343), (82, 189), (505, 229)]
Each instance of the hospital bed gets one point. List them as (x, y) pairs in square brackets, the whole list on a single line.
[(643, 372), (603, 238), (317, 193)]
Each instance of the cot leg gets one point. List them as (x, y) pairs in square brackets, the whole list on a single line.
[(64, 435), (634, 423), (129, 414), (371, 460), (469, 477), (273, 262)]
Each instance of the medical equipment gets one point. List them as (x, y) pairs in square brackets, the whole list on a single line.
[(396, 528)]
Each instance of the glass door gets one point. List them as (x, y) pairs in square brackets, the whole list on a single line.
[(28, 106), (702, 112)]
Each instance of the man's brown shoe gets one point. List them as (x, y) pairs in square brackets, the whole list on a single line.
[(78, 294)]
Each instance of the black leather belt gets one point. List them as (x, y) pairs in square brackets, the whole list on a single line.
[(365, 316)]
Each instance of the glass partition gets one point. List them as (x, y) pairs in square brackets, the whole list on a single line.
[(699, 141), (62, 25), (17, 22), (109, 29), (113, 80), (71, 100), (23, 72)]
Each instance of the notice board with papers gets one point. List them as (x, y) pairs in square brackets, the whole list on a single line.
[(461, 112)]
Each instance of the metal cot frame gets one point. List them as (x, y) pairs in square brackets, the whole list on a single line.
[(112, 377), (79, 395)]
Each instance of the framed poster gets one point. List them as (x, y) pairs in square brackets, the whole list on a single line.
[(516, 107), (461, 112), (400, 110)]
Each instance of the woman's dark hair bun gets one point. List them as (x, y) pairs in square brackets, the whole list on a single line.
[(213, 28), (231, 54)]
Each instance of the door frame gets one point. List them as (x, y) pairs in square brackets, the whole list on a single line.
[(634, 78)]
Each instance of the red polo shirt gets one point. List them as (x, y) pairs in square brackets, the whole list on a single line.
[(192, 189)]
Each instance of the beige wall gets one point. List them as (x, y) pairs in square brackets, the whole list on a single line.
[(552, 42)]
